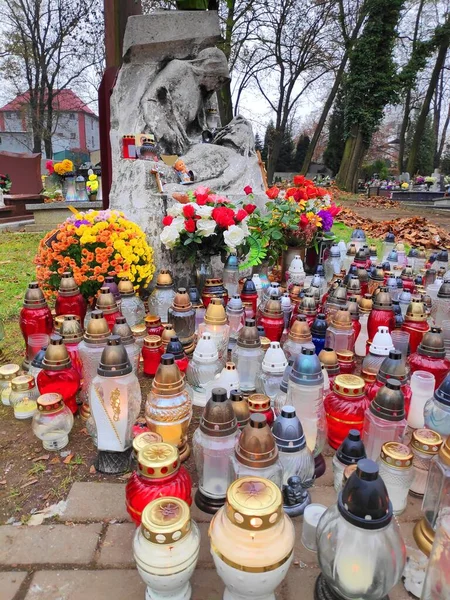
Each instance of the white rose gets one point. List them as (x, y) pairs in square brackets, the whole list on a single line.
[(206, 227), (204, 211), (175, 210), (233, 236), (178, 223), (169, 236)]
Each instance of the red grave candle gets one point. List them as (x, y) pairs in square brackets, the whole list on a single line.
[(35, 316), (249, 294), (382, 314), (153, 325), (260, 403), (151, 353), (272, 319), (69, 300), (430, 356), (415, 323), (107, 304)]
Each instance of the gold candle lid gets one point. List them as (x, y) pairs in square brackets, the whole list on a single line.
[(56, 356), (152, 321), (345, 356), (67, 285), (34, 298), (58, 320), (181, 301), (144, 439), (256, 446), (396, 455), (167, 334), (215, 313), (9, 372), (168, 379), (265, 343), (70, 329), (240, 407), (23, 383), (50, 403), (348, 472), (164, 279), (125, 287), (328, 357), (426, 441), (123, 330), (300, 331), (273, 308), (254, 503), (97, 330), (139, 330), (158, 460), (106, 302), (416, 311), (349, 385), (258, 402), (152, 341), (342, 319), (444, 452), (166, 520), (366, 304)]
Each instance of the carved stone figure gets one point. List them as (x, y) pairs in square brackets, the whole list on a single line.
[(295, 496)]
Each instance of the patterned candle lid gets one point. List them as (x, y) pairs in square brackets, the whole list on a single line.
[(396, 455), (144, 439), (139, 330), (349, 385), (152, 321), (9, 372), (106, 302), (50, 403), (426, 441), (158, 460), (23, 383), (345, 356), (152, 341), (166, 520), (258, 402), (254, 504)]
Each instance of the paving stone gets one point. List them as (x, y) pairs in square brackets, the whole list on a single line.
[(206, 585), (117, 547), (204, 557), (413, 511), (55, 544), (323, 495), (9, 584), (108, 584), (198, 515), (96, 502)]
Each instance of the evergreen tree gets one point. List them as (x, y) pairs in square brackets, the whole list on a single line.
[(286, 155), (258, 142), (425, 153), (336, 141), (267, 141), (300, 152)]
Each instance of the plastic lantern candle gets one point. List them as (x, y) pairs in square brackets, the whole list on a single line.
[(337, 299), (203, 369), (437, 498), (272, 319), (340, 334), (123, 330), (115, 402), (167, 334), (249, 294), (384, 420), (111, 284), (422, 389), (154, 325), (381, 314), (362, 519), (388, 244), (345, 408), (252, 521), (353, 309), (333, 263), (404, 300), (305, 394), (392, 367), (215, 323), (240, 408), (436, 579), (430, 356), (358, 238), (69, 300), (425, 444), (23, 396), (58, 374), (346, 360), (440, 310), (139, 333), (260, 404), (379, 349), (228, 378), (175, 347), (7, 374), (286, 307), (299, 337), (349, 257), (349, 453), (72, 334), (159, 474), (437, 409), (256, 453), (214, 288), (247, 355), (395, 463), (231, 275), (35, 316), (236, 319), (407, 278), (168, 409), (166, 548), (296, 459), (281, 397), (415, 323), (273, 366), (162, 296), (330, 364), (296, 272), (318, 332), (52, 422), (182, 316), (213, 444), (131, 306), (106, 303), (307, 307)]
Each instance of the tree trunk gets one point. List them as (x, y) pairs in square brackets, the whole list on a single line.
[(420, 127), (347, 178), (273, 155), (225, 102), (443, 136)]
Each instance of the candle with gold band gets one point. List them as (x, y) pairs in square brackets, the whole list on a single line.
[(7, 374), (52, 422), (162, 296), (24, 394)]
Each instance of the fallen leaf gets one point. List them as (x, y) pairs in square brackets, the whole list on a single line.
[(92, 470), (67, 460), (43, 457), (55, 461), (3, 482)]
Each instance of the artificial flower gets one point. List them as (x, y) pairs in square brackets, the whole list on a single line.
[(223, 216), (175, 210), (49, 167), (248, 190), (206, 227), (189, 225), (178, 223), (233, 237), (204, 211), (167, 220), (201, 195), (169, 236), (250, 208), (240, 215), (188, 211), (273, 192), (327, 219)]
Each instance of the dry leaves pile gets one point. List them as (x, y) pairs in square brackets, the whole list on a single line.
[(377, 202), (415, 231)]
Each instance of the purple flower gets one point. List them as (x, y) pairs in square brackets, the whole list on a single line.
[(81, 222), (327, 220)]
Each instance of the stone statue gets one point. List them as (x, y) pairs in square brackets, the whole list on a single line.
[(295, 496)]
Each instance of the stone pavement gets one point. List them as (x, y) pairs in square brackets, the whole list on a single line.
[(88, 556)]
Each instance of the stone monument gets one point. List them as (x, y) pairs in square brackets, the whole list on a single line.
[(167, 87)]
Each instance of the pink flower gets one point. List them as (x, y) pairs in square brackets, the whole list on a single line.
[(201, 195)]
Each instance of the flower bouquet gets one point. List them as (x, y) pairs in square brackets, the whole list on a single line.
[(91, 245), (92, 186), (5, 183), (205, 224)]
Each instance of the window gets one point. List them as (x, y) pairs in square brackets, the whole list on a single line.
[(73, 136), (9, 115), (72, 116)]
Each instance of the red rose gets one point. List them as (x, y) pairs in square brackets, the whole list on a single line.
[(321, 191), (188, 211), (49, 167), (240, 215), (201, 195), (223, 216), (167, 220), (303, 221), (189, 225), (250, 208), (311, 191), (248, 190), (334, 210), (299, 180), (297, 193), (201, 201), (272, 192)]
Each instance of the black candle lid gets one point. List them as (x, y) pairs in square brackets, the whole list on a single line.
[(352, 449)]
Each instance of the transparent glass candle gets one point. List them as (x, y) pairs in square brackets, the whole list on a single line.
[(247, 355), (436, 585), (52, 422), (395, 464), (422, 389), (425, 444), (24, 394)]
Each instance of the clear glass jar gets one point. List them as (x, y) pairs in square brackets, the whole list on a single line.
[(425, 444), (437, 410), (340, 337), (7, 374), (182, 316), (162, 297), (203, 369), (248, 355), (24, 394), (437, 493), (436, 586), (273, 472), (90, 350), (216, 325), (422, 389), (236, 318), (395, 462), (133, 310), (52, 422)]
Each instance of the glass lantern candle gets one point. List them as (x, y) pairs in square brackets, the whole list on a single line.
[(256, 452), (305, 394), (240, 408), (175, 347), (299, 337), (214, 288), (333, 263), (231, 275), (296, 272), (197, 303), (249, 294), (154, 325), (228, 377), (123, 330), (52, 422), (162, 296), (349, 453), (139, 333), (260, 404), (69, 300), (360, 549), (248, 355), (7, 374), (131, 306), (308, 308), (258, 286), (415, 323), (182, 316), (340, 334), (336, 299), (436, 580), (281, 397), (365, 306), (381, 314), (36, 363), (425, 444), (159, 474), (349, 257), (440, 310), (422, 389), (236, 319), (72, 334), (215, 323), (353, 309), (436, 498), (395, 463), (151, 353), (90, 350), (168, 409), (286, 307), (318, 332), (384, 420), (111, 284), (251, 522), (24, 394), (203, 369), (273, 366), (213, 444), (437, 409), (346, 360), (378, 350), (35, 316), (166, 548), (115, 402), (58, 373), (388, 244), (392, 367), (272, 319), (404, 300), (430, 356), (407, 278), (106, 303), (345, 408), (167, 334), (297, 461)]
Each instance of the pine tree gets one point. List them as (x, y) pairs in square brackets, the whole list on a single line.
[(336, 141), (286, 156), (258, 142), (300, 152)]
